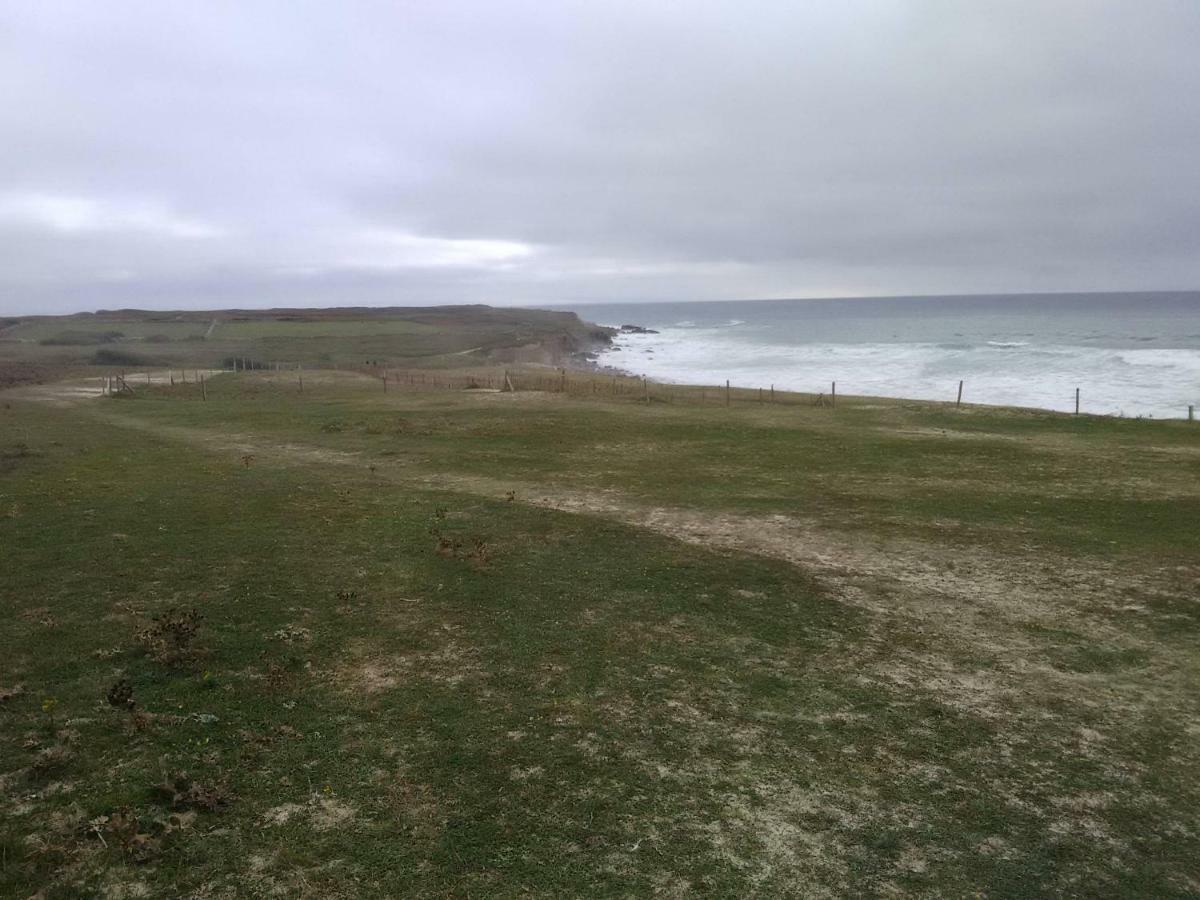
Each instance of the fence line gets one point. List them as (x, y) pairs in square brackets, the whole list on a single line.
[(559, 380), (578, 383)]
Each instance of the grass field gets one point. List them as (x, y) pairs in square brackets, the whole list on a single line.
[(322, 330), (562, 644)]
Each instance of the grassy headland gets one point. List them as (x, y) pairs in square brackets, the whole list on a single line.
[(583, 642), (430, 336)]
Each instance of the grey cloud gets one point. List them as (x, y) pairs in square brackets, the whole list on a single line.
[(399, 153)]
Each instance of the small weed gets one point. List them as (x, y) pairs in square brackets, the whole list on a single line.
[(49, 704)]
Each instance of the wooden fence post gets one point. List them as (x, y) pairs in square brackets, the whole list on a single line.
[(1076, 401), (1191, 413), (833, 393), (772, 393), (958, 402), (203, 388), (726, 391)]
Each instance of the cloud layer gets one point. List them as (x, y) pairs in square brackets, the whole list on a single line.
[(192, 154)]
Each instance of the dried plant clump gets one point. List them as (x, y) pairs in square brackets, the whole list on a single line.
[(49, 761), (169, 637), (182, 792), (11, 693), (475, 550), (120, 694), (292, 634), (140, 839), (278, 677), (448, 547)]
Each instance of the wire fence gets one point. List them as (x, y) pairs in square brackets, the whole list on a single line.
[(570, 382)]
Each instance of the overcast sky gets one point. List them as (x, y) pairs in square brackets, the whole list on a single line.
[(175, 154)]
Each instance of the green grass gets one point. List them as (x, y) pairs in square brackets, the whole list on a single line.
[(954, 682), (876, 466), (50, 328), (258, 328)]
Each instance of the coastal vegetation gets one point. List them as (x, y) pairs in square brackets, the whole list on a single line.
[(587, 636)]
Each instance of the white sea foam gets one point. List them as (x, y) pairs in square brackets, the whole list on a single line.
[(1116, 381)]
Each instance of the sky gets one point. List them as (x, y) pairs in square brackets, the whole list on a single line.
[(215, 154)]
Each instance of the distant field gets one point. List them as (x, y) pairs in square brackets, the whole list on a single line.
[(41, 330), (430, 336), (333, 329), (583, 643)]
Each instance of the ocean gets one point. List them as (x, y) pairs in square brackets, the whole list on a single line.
[(1135, 354)]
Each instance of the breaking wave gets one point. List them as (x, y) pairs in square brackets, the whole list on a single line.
[(1117, 381)]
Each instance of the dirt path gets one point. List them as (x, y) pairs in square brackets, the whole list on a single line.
[(68, 393)]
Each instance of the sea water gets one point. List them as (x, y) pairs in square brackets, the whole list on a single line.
[(1128, 354)]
